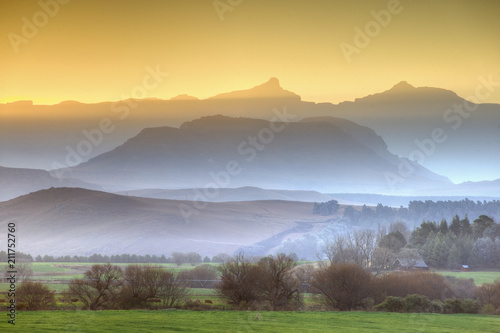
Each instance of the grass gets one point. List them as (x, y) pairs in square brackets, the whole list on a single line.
[(478, 277), (243, 321)]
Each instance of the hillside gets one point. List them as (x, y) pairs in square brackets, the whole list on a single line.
[(62, 221)]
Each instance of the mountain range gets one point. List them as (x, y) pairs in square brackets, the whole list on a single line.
[(296, 145), (467, 146), (321, 154)]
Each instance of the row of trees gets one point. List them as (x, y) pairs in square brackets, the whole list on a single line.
[(326, 208), (178, 258), (459, 243), (421, 210), (276, 282)]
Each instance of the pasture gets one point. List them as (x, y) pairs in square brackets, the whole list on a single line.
[(246, 321)]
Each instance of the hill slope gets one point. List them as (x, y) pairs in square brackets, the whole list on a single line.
[(61, 221)]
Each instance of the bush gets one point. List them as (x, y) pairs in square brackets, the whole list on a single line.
[(391, 304), (417, 303), (35, 296), (488, 309), (402, 284), (458, 305), (344, 286)]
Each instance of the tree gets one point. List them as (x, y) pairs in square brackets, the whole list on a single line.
[(238, 280), (179, 258), (455, 226), (326, 208), (393, 241), (35, 296), (356, 247), (443, 227), (382, 259), (193, 258), (465, 226), (343, 286), (201, 276), (454, 261), (221, 257), (173, 290), (99, 287), (480, 224), (276, 282), (142, 283)]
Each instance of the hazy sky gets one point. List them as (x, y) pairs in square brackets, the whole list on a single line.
[(96, 50)]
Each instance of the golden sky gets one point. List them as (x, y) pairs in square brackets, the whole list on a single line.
[(98, 50)]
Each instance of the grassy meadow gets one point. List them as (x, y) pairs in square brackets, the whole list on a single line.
[(247, 321)]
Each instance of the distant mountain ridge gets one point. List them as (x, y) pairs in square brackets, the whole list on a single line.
[(323, 155), (16, 181), (404, 116)]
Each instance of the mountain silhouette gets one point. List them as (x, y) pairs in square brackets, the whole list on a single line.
[(404, 116), (327, 155)]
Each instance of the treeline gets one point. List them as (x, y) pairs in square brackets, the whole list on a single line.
[(461, 242), (422, 211), (326, 208), (270, 283), (178, 258), (276, 283)]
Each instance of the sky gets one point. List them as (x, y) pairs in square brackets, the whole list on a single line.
[(325, 51)]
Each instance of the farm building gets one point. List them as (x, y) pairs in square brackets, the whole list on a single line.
[(402, 264)]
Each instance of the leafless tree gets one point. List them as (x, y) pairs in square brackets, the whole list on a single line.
[(99, 287), (276, 282), (179, 258), (356, 247), (238, 280), (382, 260), (173, 290), (343, 286), (489, 293), (35, 296)]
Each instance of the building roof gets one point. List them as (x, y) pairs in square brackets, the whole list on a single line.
[(416, 263)]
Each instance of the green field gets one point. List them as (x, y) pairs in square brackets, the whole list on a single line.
[(478, 277), (243, 321)]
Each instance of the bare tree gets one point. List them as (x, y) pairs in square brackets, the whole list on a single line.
[(173, 290), (179, 258), (99, 287), (356, 247), (382, 259), (141, 282), (35, 296), (276, 282), (238, 280), (304, 274), (193, 258), (343, 286)]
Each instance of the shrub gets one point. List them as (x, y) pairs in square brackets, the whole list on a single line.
[(417, 303), (344, 286), (458, 305), (391, 304), (35, 296), (488, 309)]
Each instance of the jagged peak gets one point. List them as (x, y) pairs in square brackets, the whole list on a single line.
[(403, 85)]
